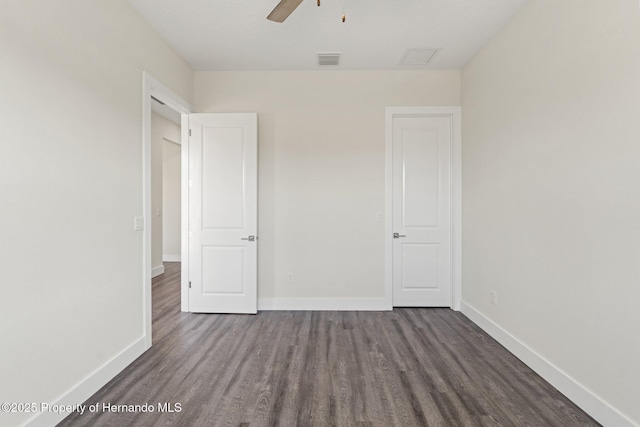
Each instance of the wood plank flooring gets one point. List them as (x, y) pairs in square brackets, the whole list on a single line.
[(409, 367)]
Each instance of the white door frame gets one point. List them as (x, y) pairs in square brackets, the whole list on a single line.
[(153, 87), (455, 114)]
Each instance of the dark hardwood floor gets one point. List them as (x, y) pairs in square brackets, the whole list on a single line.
[(409, 367)]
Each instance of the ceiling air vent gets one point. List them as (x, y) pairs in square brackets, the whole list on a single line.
[(328, 59), (419, 57)]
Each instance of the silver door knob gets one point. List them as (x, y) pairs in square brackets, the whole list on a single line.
[(250, 238), (398, 235)]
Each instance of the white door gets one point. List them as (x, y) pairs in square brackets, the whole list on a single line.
[(223, 213), (421, 169)]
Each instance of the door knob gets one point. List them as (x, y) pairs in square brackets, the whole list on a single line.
[(398, 235), (250, 238)]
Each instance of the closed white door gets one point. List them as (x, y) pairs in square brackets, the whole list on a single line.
[(223, 213), (421, 169)]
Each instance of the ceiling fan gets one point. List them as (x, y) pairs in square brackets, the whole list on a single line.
[(284, 9)]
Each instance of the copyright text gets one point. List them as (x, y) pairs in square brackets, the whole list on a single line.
[(162, 407)]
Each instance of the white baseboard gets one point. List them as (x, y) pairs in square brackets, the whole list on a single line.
[(323, 304), (171, 258), (588, 401), (156, 271), (87, 387)]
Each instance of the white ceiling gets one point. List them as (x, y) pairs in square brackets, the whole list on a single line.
[(235, 34)]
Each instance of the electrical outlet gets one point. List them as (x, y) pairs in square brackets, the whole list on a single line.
[(289, 277), (494, 298)]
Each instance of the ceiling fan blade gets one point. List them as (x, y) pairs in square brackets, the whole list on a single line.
[(283, 10)]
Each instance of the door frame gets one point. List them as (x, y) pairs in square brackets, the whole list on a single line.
[(153, 87), (455, 114)]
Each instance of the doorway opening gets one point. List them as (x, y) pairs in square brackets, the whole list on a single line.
[(165, 119), (165, 186)]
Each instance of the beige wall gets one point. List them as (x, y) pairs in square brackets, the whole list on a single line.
[(71, 166), (321, 169), (551, 185)]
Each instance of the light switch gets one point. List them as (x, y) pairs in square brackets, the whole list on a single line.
[(159, 212), (379, 217), (138, 223)]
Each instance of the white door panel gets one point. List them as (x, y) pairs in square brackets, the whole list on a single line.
[(419, 153), (220, 268), (420, 265), (223, 213), (422, 211), (223, 178)]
